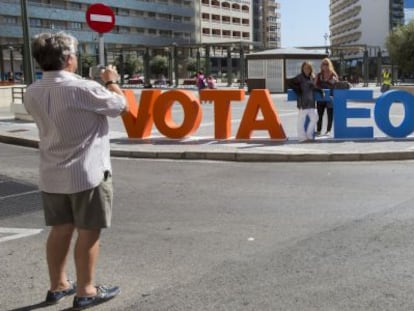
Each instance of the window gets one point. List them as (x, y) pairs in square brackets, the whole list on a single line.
[(122, 12), (215, 18), (165, 33), (225, 19), (236, 20), (236, 34), (75, 25), (35, 22), (245, 9), (216, 32), (164, 16), (75, 5), (123, 29), (11, 20)]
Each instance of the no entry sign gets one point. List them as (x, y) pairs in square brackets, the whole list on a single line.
[(100, 17)]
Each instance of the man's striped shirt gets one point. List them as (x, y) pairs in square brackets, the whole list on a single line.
[(71, 115)]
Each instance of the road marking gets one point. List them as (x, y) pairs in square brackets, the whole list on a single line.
[(18, 194), (17, 233)]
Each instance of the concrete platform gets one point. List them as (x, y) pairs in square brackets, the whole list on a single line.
[(201, 147)]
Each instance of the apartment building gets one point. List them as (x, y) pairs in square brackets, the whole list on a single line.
[(272, 25), (225, 21), (359, 29), (140, 22), (363, 22), (155, 22), (266, 23)]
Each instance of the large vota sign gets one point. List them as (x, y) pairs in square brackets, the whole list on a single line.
[(155, 108)]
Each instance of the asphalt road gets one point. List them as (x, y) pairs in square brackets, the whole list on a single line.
[(199, 235)]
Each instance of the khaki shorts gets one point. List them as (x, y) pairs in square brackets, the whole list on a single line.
[(89, 209)]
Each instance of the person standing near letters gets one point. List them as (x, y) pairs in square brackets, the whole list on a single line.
[(325, 79), (75, 169), (304, 86)]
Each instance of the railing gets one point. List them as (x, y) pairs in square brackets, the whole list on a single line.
[(18, 94)]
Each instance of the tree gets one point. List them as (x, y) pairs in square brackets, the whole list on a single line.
[(158, 65), (133, 64), (400, 46), (87, 61)]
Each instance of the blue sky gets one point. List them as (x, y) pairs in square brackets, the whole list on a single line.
[(409, 3), (304, 22)]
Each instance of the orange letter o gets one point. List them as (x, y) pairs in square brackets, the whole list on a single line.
[(163, 116)]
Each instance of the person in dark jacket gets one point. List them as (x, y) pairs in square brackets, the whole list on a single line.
[(325, 79), (304, 86)]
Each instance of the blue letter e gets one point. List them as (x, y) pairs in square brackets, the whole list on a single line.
[(342, 113)]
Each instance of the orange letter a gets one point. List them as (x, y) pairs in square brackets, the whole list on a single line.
[(260, 99)]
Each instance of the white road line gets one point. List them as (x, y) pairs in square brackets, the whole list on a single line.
[(18, 194), (17, 233)]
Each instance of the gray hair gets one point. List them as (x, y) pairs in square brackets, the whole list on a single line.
[(51, 49)]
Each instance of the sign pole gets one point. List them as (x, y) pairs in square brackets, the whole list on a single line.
[(101, 50)]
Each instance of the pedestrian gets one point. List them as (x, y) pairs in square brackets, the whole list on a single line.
[(211, 83), (304, 86), (386, 81), (325, 79), (75, 169), (200, 80)]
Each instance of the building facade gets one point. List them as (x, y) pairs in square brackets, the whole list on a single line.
[(358, 32), (272, 25), (224, 21), (364, 22), (266, 23), (153, 22), (140, 23)]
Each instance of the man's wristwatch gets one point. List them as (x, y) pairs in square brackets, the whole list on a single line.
[(107, 83)]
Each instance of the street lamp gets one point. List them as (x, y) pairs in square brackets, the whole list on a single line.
[(175, 59), (326, 36), (27, 50), (11, 76), (379, 67)]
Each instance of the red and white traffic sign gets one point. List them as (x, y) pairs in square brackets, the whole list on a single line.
[(100, 17)]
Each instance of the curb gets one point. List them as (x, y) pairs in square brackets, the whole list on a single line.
[(236, 156)]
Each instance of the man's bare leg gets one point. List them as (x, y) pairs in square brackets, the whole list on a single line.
[(57, 250), (86, 256)]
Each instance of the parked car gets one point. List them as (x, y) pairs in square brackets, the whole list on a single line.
[(136, 79)]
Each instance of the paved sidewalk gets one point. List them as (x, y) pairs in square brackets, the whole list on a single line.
[(205, 148)]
